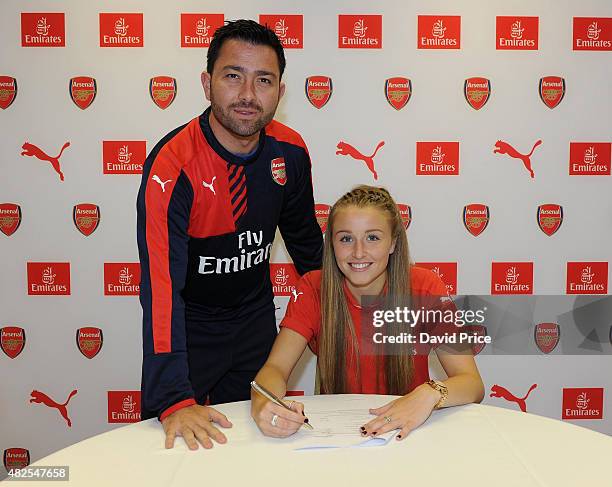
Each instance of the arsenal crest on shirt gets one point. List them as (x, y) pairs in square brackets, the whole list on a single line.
[(318, 90), (550, 218), (279, 173), (398, 91), (12, 340), (322, 214), (86, 217), (552, 90), (89, 341), (10, 218), (8, 91), (546, 336), (83, 90), (477, 92), (476, 218), (162, 90), (405, 214)]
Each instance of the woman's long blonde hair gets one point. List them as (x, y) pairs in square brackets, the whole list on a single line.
[(337, 327)]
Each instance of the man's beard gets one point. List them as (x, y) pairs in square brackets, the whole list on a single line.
[(244, 128)]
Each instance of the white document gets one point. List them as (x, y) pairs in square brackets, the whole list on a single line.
[(339, 428)]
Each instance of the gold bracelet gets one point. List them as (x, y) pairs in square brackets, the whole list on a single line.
[(441, 388)]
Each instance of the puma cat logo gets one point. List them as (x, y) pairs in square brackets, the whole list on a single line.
[(499, 391), (31, 150), (42, 398), (502, 147), (345, 149)]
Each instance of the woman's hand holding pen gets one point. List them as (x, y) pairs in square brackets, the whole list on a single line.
[(406, 413), (274, 420)]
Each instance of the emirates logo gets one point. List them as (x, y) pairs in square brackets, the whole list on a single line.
[(202, 28), (42, 28), (48, 277), (516, 31), (512, 276), (125, 277), (124, 156), (590, 156), (280, 29), (281, 278), (121, 28), (582, 401), (437, 156), (438, 29), (360, 29), (593, 31), (128, 405), (586, 277)]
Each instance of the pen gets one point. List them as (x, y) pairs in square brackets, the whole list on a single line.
[(270, 396)]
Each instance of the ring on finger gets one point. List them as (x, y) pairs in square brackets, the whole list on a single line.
[(387, 419), (290, 405), (274, 420)]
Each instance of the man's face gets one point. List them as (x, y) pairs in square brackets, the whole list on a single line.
[(244, 88)]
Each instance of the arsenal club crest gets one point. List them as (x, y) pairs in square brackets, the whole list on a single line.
[(89, 341), (552, 90), (322, 214), (8, 91), (86, 217), (405, 213), (318, 90), (476, 218), (546, 336), (83, 90), (12, 340), (10, 218), (162, 90), (398, 91), (15, 458), (477, 92), (478, 330), (279, 173), (550, 218)]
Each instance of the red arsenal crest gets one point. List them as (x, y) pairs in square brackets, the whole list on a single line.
[(405, 213), (480, 331), (476, 218), (546, 336), (15, 458), (550, 218), (552, 90), (8, 91), (398, 91), (279, 173), (477, 91), (162, 90), (10, 218), (12, 340), (89, 341), (86, 217), (83, 91), (322, 214), (318, 90)]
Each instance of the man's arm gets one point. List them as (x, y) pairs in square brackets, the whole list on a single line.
[(163, 218), (298, 224)]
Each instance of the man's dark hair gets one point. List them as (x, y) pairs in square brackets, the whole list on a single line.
[(246, 31)]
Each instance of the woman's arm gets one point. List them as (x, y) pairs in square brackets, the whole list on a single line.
[(286, 351), (410, 411)]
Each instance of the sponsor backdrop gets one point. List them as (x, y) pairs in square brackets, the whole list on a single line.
[(489, 124)]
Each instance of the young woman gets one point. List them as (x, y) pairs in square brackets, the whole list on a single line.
[(365, 254)]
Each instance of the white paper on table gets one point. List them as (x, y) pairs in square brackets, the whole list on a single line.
[(338, 428)]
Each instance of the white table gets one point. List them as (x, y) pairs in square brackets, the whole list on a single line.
[(471, 445)]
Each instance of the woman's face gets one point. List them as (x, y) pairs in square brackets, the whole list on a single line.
[(362, 241)]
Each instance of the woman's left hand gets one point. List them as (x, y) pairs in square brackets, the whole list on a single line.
[(405, 413)]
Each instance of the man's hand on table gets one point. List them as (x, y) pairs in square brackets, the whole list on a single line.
[(195, 424)]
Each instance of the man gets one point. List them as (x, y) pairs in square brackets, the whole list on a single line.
[(213, 193)]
